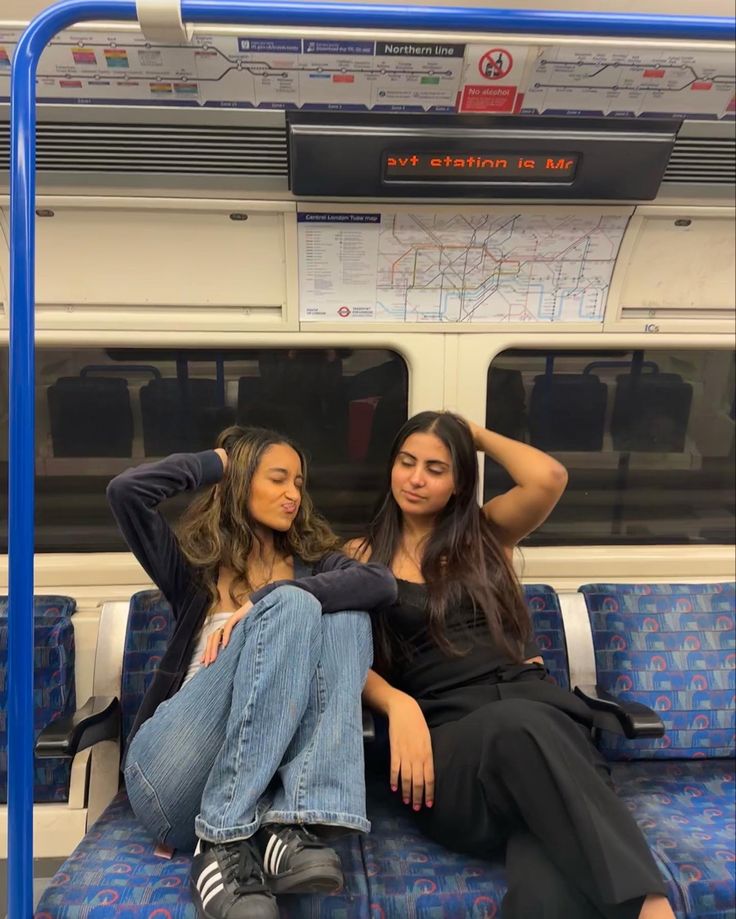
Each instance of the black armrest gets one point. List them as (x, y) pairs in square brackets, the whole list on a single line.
[(369, 725), (98, 719), (632, 718)]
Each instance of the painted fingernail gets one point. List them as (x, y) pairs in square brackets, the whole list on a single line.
[(417, 807), (394, 788), (430, 803), (406, 800)]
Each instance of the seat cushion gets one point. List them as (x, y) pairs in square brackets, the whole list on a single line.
[(394, 872), (53, 689), (671, 647), (687, 814)]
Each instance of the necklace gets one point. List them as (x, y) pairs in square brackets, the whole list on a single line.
[(267, 579)]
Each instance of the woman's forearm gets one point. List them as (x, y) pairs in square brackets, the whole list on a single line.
[(526, 465), (379, 694)]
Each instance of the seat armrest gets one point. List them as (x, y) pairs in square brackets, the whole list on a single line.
[(369, 725), (98, 719), (634, 719)]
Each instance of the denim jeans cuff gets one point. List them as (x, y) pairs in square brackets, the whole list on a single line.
[(224, 834), (321, 818)]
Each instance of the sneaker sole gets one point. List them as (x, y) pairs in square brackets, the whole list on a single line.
[(314, 879), (202, 912)]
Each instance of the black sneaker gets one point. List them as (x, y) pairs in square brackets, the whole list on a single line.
[(295, 861), (227, 882)]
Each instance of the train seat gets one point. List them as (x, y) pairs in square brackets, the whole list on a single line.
[(53, 689), (683, 804), (116, 864), (90, 416), (671, 647), (181, 416), (651, 412), (567, 411)]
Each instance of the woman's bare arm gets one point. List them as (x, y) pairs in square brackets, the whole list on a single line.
[(540, 482)]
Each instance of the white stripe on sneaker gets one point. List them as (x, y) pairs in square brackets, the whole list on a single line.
[(212, 894), (210, 869), (280, 857), (209, 884), (273, 847)]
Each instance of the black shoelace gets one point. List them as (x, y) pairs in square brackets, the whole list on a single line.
[(240, 864)]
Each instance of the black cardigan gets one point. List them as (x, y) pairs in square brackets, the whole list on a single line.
[(337, 581)]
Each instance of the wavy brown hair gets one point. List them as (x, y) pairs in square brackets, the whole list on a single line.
[(461, 557), (217, 528)]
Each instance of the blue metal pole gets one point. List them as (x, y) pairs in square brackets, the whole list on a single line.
[(21, 435), (22, 268)]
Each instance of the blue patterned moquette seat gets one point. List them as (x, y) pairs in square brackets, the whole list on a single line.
[(394, 872), (671, 647), (53, 689)]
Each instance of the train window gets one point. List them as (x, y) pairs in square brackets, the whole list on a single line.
[(647, 438), (102, 410)]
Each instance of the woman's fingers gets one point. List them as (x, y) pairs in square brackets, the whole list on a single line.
[(234, 620), (227, 629), (394, 773), (212, 647), (406, 782), (429, 783), (417, 787)]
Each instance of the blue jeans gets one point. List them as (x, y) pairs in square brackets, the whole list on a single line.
[(271, 732)]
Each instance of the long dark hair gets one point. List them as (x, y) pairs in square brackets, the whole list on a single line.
[(217, 528), (462, 556)]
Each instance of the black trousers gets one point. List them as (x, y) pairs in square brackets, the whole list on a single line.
[(522, 775)]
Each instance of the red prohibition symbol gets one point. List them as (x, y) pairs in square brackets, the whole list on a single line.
[(495, 64)]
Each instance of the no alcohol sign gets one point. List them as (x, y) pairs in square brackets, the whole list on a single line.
[(491, 78), (495, 64)]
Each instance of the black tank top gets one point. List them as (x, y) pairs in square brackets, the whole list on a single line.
[(423, 669)]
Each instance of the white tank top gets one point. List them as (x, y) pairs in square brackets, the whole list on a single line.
[(217, 621)]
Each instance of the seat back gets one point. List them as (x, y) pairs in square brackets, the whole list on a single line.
[(506, 404), (670, 647), (567, 411), (181, 416), (544, 607), (53, 689), (150, 624), (651, 412), (90, 416)]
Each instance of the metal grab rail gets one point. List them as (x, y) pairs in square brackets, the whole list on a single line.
[(22, 268)]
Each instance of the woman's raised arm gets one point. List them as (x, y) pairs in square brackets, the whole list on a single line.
[(134, 497), (540, 482)]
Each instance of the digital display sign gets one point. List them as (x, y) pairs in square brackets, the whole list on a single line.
[(479, 167)]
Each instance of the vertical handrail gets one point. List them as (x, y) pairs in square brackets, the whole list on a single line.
[(21, 433), (22, 267)]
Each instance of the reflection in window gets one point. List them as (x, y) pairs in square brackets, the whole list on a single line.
[(647, 438), (100, 411)]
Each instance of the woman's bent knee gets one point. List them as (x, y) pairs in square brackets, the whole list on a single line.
[(295, 602)]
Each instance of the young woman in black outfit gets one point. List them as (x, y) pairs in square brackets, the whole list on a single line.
[(488, 752)]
